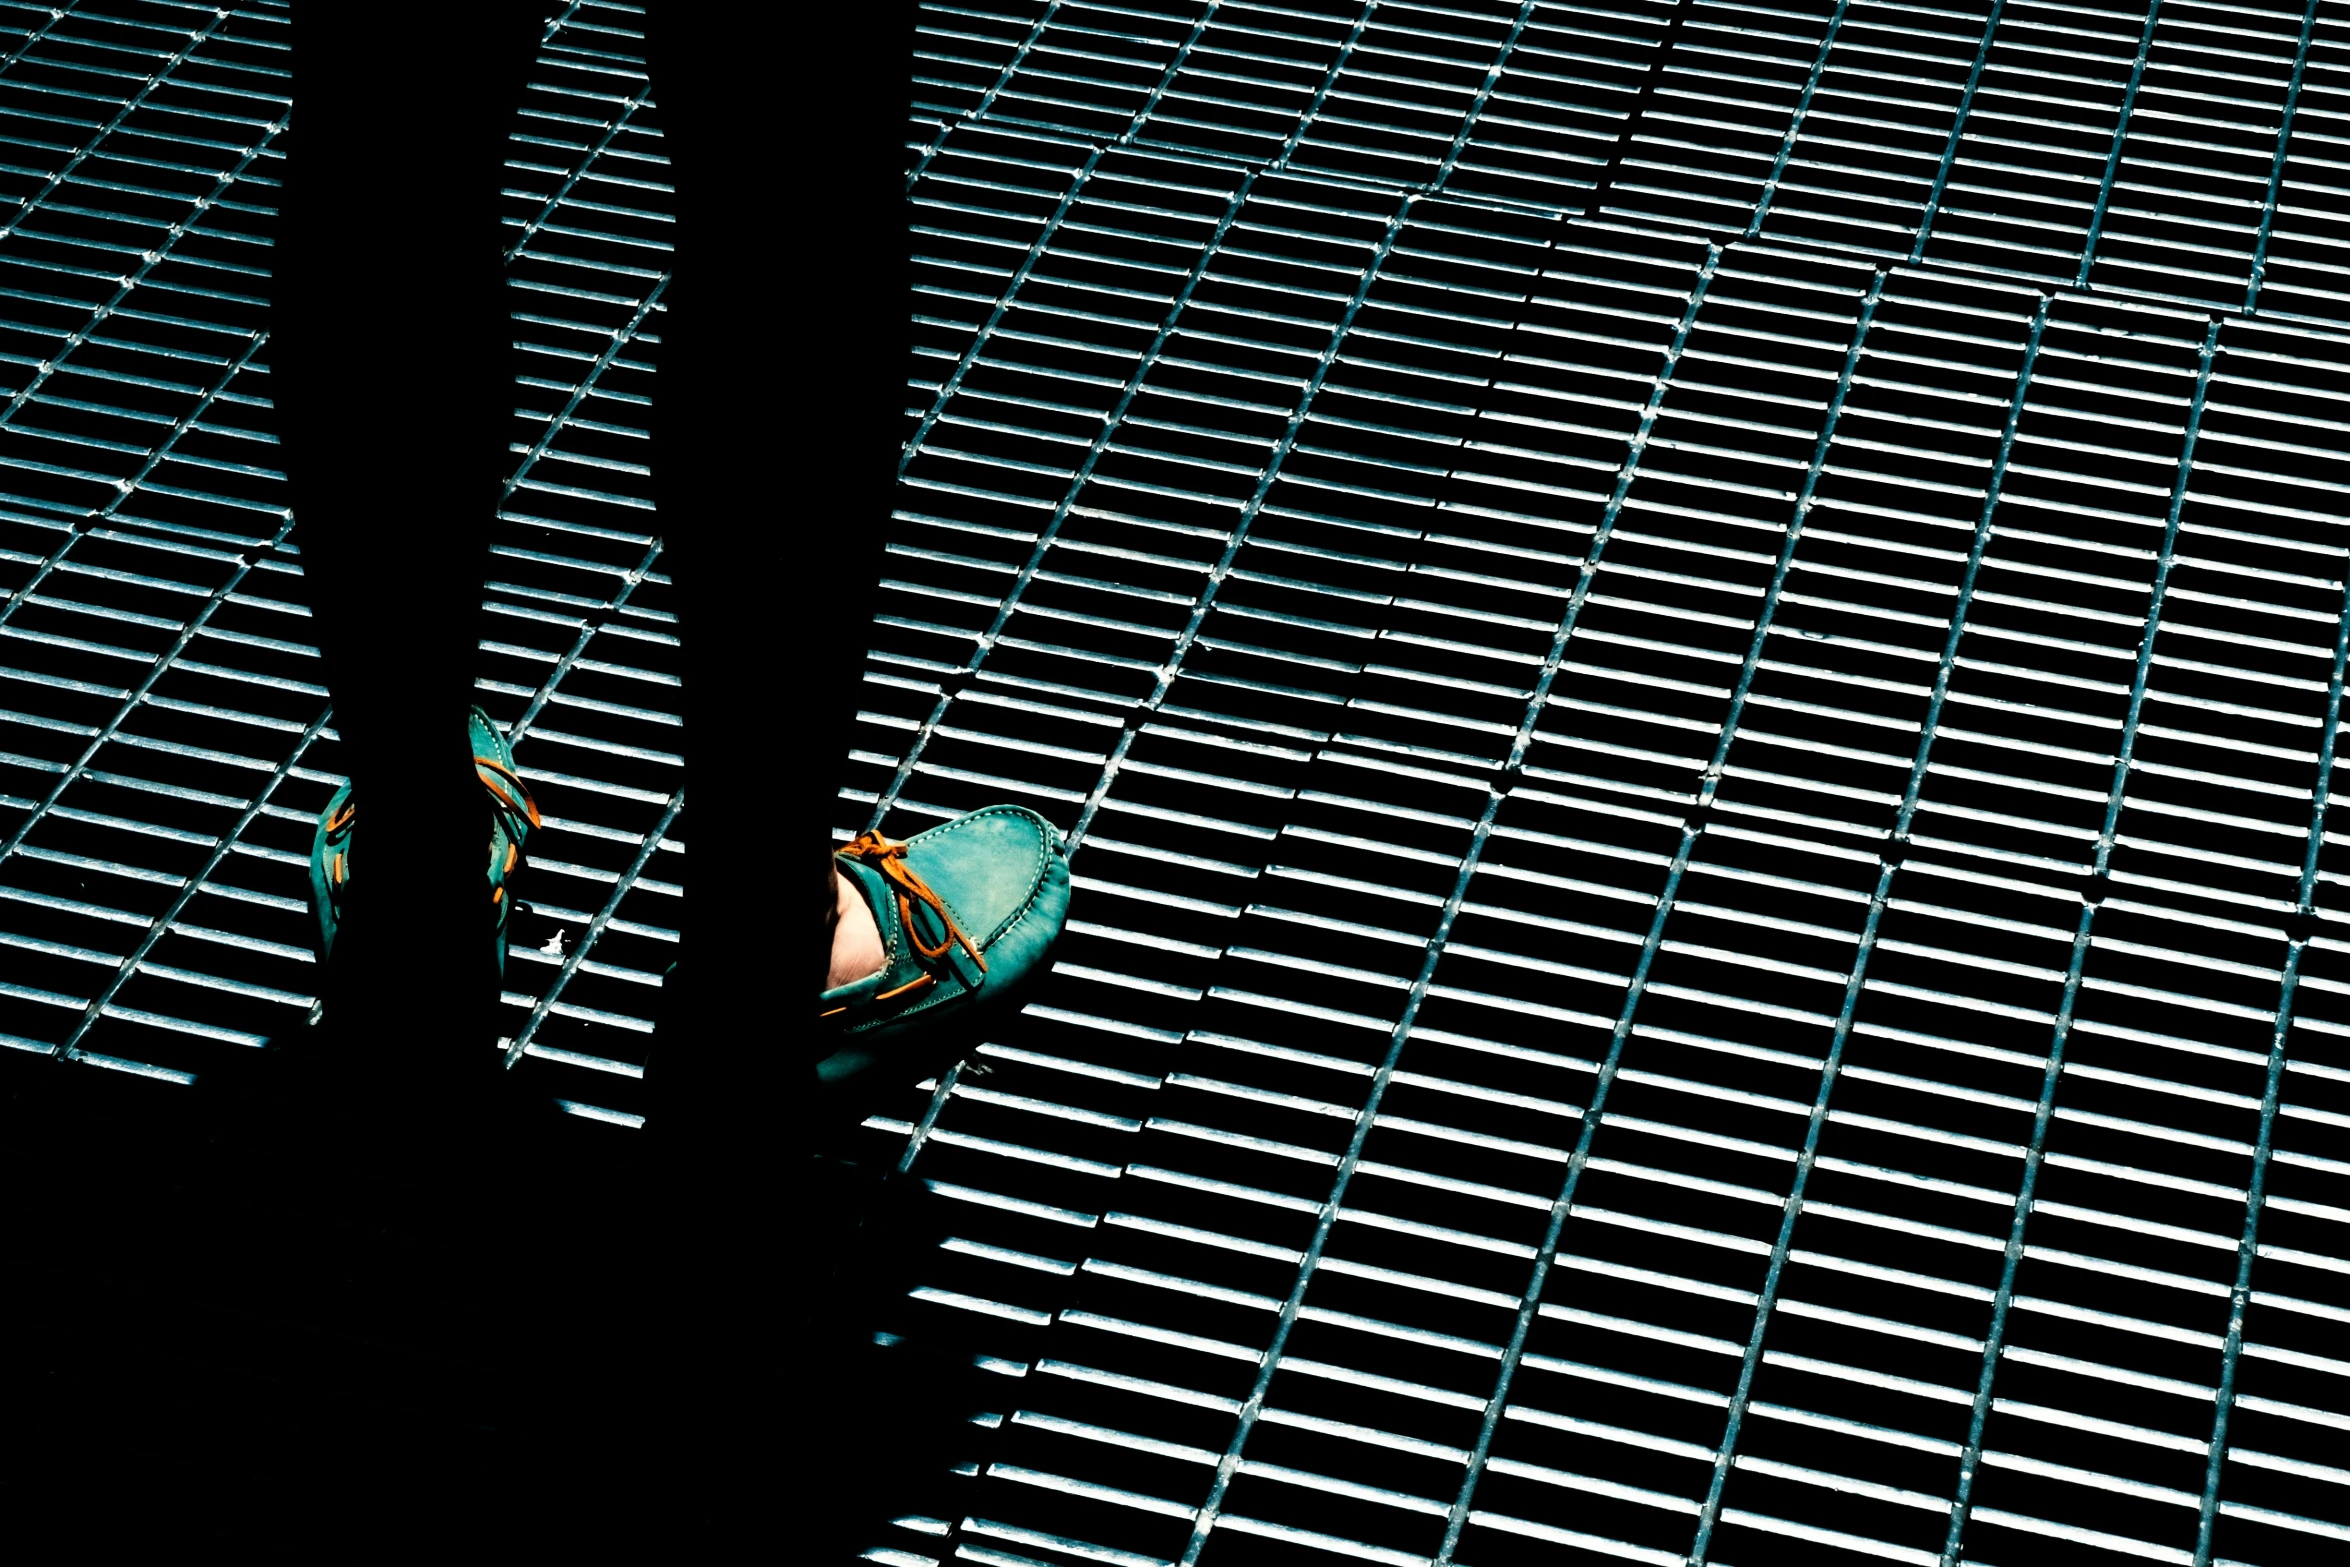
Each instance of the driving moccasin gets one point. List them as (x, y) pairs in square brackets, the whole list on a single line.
[(967, 912), (512, 816)]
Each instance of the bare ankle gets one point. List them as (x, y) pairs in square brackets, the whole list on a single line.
[(856, 947)]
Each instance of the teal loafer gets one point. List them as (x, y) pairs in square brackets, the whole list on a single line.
[(513, 813), (330, 868), (513, 816), (968, 912)]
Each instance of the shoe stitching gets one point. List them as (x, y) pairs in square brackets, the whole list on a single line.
[(1044, 855), (1035, 872)]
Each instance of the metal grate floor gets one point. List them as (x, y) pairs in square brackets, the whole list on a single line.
[(1692, 656), (1691, 653), (167, 742)]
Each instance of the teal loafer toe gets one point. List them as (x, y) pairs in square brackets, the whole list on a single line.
[(968, 912)]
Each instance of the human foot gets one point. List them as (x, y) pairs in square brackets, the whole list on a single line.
[(966, 914), (856, 939)]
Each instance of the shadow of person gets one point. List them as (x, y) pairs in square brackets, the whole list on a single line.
[(908, 1388)]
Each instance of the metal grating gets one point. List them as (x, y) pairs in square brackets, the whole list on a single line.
[(1669, 969), (1692, 656), (167, 743)]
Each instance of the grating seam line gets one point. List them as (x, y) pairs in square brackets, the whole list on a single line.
[(1280, 161), (979, 111), (636, 100), (1476, 109), (2121, 132), (2276, 170), (1795, 120)]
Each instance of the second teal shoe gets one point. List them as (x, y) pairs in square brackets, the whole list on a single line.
[(967, 913), (512, 816)]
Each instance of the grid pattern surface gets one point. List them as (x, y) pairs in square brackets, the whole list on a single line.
[(165, 742), (1691, 655)]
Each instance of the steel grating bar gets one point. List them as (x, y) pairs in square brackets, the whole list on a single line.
[(1338, 63), (1795, 121), (122, 113), (2121, 132), (73, 771), (987, 100), (638, 99), (2276, 173), (1493, 74), (1167, 76), (1958, 123)]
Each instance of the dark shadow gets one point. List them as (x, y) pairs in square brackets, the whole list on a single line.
[(901, 1405)]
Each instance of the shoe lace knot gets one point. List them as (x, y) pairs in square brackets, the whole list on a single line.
[(887, 859)]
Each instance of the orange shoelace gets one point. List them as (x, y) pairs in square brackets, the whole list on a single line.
[(498, 779), (888, 860), (491, 772)]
